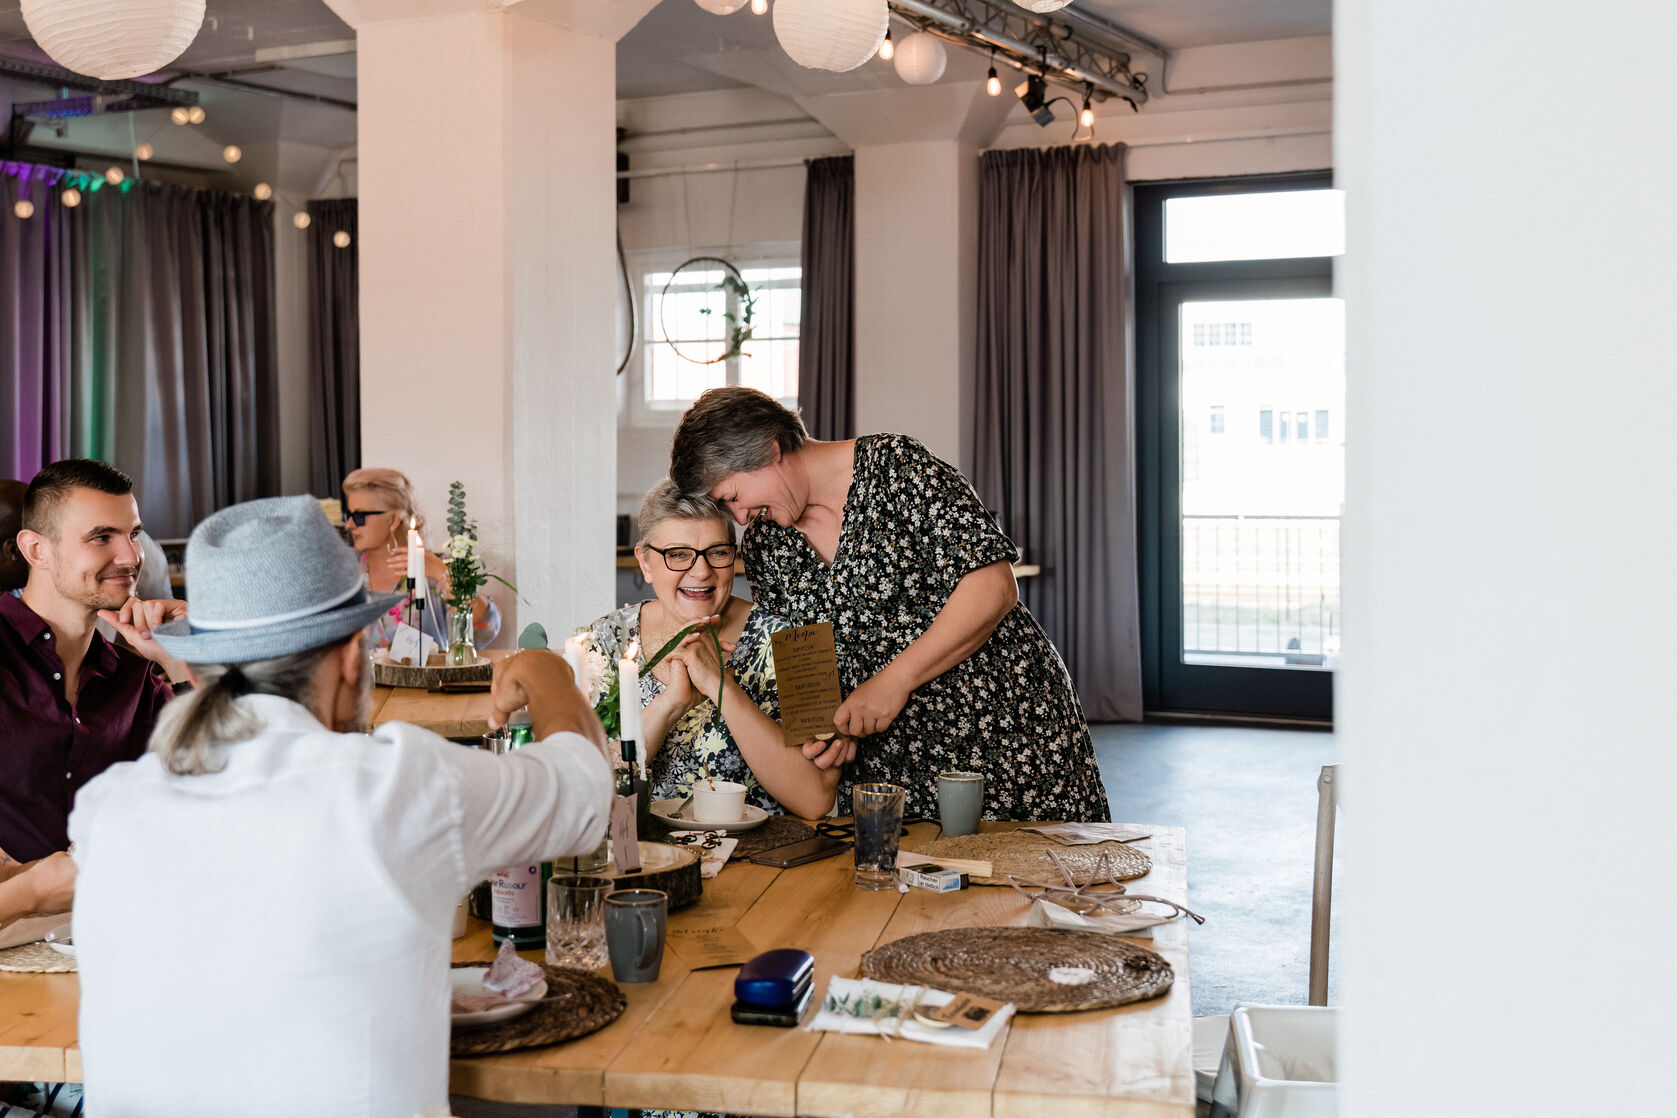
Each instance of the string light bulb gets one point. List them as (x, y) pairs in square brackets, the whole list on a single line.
[(887, 49), (262, 192), (179, 115), (993, 84), (71, 197), (143, 151), (196, 114), (24, 208), (341, 239), (232, 153), (114, 176), (759, 7), (1087, 117), (300, 219)]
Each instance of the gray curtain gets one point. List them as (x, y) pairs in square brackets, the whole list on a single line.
[(1054, 414), (334, 346), (825, 367), (140, 330)]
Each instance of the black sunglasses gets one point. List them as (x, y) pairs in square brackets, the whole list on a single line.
[(683, 558), (359, 516)]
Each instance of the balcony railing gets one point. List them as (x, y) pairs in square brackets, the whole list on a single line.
[(1260, 585)]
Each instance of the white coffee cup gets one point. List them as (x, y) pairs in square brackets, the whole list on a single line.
[(723, 803)]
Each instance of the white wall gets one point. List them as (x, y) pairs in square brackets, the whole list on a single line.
[(1505, 701)]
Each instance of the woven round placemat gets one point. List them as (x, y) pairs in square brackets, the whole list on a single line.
[(1026, 855), (578, 1003), (777, 830), (1012, 965), (37, 957)]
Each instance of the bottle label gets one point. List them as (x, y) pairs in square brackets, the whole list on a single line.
[(516, 897)]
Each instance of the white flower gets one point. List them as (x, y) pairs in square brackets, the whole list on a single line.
[(461, 546)]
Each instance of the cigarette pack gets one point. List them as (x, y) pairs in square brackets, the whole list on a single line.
[(932, 877)]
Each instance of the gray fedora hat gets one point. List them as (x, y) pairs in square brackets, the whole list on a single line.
[(269, 578)]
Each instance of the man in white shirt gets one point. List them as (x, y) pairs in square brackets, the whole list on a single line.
[(263, 909)]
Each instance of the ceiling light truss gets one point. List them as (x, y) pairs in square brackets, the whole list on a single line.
[(1077, 55), (148, 95)]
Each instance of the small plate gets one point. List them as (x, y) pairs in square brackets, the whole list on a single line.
[(469, 980), (67, 947), (662, 809)]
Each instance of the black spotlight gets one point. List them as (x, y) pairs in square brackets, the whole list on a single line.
[(1033, 91)]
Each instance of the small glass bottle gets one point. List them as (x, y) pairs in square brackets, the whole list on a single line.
[(516, 894)]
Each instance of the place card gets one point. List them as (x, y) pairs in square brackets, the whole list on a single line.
[(965, 1011), (625, 846), (703, 948), (410, 646), (806, 674)]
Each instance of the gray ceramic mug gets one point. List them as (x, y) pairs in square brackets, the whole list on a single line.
[(960, 802), (635, 933)]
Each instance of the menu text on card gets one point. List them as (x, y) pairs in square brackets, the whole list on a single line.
[(806, 673)]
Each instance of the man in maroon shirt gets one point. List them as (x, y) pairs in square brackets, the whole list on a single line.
[(71, 703)]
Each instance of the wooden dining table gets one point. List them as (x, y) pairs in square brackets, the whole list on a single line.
[(676, 1047)]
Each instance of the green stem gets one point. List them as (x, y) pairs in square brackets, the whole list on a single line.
[(673, 642)]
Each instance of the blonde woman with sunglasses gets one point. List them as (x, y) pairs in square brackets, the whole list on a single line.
[(378, 503)]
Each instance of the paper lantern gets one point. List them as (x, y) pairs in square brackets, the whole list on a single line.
[(71, 197), (341, 239), (262, 192), (143, 151), (232, 153), (300, 220), (920, 59), (1042, 5), (720, 7), (835, 35), (24, 208), (113, 39), (114, 176)]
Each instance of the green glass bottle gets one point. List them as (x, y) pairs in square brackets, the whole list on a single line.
[(518, 895)]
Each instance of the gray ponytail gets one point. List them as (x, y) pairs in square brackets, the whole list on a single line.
[(192, 725)]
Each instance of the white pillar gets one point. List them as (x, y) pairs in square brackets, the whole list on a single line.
[(916, 254), (487, 204), (1505, 704)]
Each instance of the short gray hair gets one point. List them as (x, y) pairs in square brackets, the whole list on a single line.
[(194, 724), (728, 431), (666, 502)]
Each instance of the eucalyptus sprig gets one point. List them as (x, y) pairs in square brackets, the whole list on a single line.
[(675, 641)]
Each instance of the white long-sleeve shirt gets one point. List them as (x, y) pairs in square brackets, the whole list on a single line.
[(273, 938)]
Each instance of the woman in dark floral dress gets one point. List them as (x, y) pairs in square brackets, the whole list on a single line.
[(943, 666)]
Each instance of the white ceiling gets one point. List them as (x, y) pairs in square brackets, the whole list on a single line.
[(677, 48)]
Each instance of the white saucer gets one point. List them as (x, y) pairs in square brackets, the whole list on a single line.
[(469, 980), (662, 809)]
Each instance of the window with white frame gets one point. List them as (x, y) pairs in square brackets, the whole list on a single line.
[(688, 318)]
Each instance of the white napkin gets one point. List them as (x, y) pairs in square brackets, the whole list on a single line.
[(1139, 925), (716, 858), (904, 1026)]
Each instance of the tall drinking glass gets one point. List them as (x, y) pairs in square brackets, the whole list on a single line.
[(576, 921), (878, 810)]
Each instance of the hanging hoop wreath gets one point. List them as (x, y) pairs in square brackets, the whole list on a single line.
[(739, 324)]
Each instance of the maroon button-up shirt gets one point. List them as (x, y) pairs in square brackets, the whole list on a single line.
[(49, 748)]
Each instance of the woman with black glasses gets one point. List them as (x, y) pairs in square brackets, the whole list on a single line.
[(378, 503), (686, 554)]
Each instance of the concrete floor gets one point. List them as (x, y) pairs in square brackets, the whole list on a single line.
[(1248, 800)]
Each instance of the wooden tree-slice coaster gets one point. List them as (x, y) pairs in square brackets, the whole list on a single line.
[(37, 958), (1014, 965), (1025, 855), (387, 673), (777, 830), (672, 869), (586, 1003)]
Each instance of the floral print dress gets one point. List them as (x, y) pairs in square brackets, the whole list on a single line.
[(701, 737), (912, 528)]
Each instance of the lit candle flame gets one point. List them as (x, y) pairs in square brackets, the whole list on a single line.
[(633, 652)]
